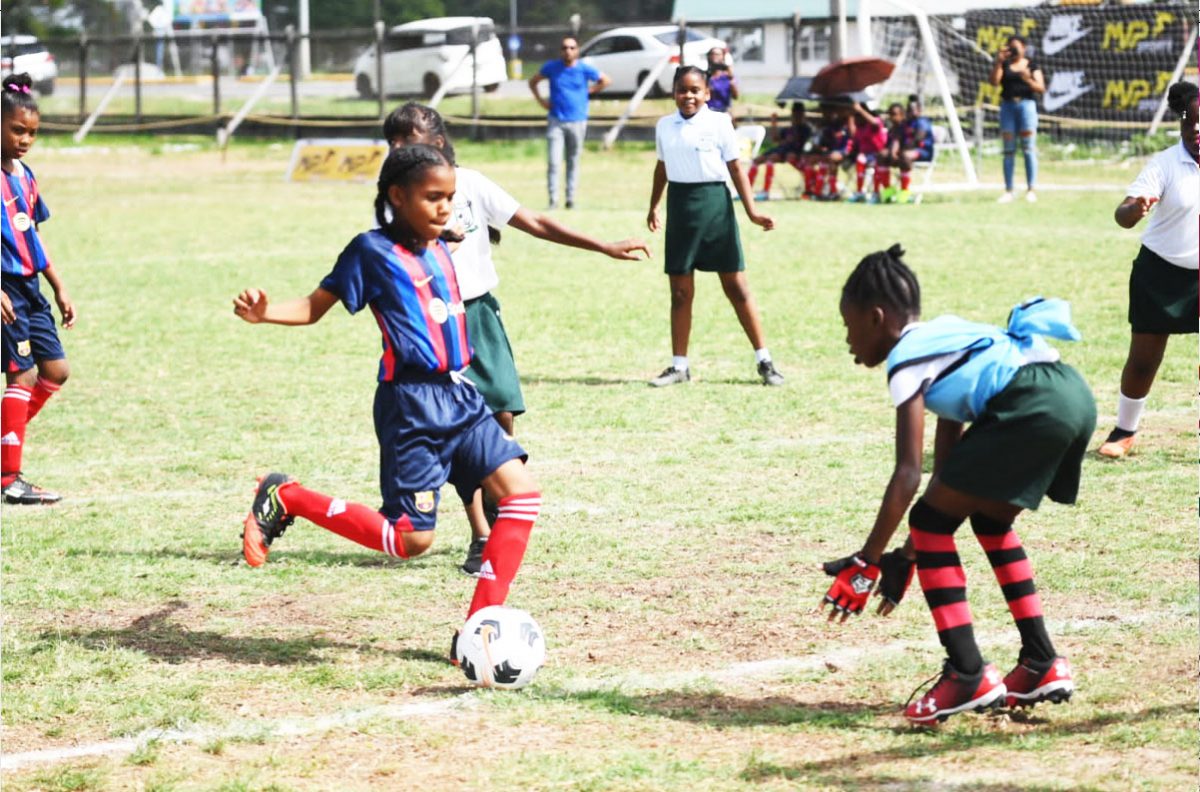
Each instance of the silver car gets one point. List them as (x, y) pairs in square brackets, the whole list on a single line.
[(420, 57), (26, 54)]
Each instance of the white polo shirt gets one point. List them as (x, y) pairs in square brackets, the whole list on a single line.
[(696, 149), (478, 202), (1173, 232)]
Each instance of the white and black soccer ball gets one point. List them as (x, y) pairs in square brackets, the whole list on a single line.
[(501, 647)]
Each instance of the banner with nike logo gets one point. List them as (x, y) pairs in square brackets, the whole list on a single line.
[(1110, 63)]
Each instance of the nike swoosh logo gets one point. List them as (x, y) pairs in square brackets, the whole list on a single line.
[(1054, 101), (420, 284), (10, 200), (1052, 46)]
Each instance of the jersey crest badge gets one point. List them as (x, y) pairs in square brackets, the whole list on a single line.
[(424, 501)]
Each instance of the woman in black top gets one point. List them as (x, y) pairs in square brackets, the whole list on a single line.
[(1020, 81)]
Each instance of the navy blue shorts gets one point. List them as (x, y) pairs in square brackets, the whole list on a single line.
[(33, 336), (432, 430)]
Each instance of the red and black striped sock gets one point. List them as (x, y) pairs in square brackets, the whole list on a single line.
[(1015, 576), (944, 583)]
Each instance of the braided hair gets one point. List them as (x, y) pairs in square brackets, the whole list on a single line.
[(684, 71), (17, 94), (404, 167), (413, 118), (1180, 96), (882, 278)]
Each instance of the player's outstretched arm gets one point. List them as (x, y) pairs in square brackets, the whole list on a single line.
[(855, 575), (551, 230), (253, 306)]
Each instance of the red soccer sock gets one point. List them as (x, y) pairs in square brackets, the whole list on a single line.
[(352, 521), (1015, 576), (505, 549), (752, 175), (883, 178), (860, 174), (769, 178), (42, 391), (944, 583), (14, 415), (905, 179)]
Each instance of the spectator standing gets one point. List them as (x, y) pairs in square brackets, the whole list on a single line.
[(1021, 81), (722, 85), (572, 83)]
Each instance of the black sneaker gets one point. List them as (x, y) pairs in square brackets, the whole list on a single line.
[(454, 649), (20, 492), (267, 520), (474, 561), (766, 370)]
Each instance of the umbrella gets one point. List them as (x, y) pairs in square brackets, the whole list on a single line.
[(850, 75)]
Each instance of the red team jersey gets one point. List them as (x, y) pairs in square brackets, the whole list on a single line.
[(23, 210)]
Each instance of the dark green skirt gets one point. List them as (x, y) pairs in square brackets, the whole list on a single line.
[(1162, 297), (493, 369), (702, 231), (1030, 440)]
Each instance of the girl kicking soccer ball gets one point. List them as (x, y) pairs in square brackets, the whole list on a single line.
[(34, 362), (432, 425), (1031, 419), (697, 151)]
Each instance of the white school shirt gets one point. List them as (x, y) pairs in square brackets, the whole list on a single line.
[(696, 149), (478, 202), (1173, 232)]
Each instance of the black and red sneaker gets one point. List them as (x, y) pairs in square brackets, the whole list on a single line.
[(267, 519), (1031, 682), (20, 492), (956, 692)]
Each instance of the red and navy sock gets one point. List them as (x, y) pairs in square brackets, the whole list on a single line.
[(14, 415), (505, 548), (944, 583), (1015, 576), (42, 391), (351, 521)]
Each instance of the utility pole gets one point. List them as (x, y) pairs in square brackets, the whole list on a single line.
[(305, 51)]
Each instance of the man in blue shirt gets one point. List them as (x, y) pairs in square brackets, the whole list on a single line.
[(572, 82)]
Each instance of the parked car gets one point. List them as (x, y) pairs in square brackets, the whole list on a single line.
[(628, 54), (26, 54), (421, 57)]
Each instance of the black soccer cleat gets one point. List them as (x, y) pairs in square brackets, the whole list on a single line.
[(474, 561), (20, 492)]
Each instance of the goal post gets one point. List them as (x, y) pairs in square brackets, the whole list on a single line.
[(928, 52)]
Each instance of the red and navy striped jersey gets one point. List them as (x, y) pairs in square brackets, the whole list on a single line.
[(23, 210), (415, 299)]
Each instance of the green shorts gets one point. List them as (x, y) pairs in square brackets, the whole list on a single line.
[(702, 230), (493, 369), (1162, 297), (1030, 440)]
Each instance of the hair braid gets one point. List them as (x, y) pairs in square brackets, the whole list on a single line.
[(882, 278), (413, 118)]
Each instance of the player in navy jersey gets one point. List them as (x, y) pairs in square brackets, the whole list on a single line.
[(34, 362), (1031, 418), (432, 425)]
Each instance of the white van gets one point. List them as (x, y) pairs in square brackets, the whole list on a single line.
[(421, 57)]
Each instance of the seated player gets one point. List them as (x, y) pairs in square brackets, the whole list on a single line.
[(870, 143), (832, 148), (910, 140), (789, 147)]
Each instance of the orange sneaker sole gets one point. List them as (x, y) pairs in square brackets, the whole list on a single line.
[(1116, 448), (254, 550)]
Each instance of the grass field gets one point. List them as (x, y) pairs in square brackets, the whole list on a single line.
[(674, 568)]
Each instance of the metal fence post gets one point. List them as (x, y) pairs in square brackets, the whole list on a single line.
[(292, 75), (215, 66), (979, 138), (137, 78), (83, 70), (380, 90)]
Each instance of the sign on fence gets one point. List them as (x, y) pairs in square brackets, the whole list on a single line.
[(340, 159)]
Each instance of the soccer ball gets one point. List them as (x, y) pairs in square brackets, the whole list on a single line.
[(501, 647)]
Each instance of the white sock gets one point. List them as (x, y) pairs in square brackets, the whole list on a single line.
[(762, 354), (679, 362), (1129, 412)]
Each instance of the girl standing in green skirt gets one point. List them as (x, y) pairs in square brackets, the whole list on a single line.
[(1031, 418), (1162, 285), (697, 152)]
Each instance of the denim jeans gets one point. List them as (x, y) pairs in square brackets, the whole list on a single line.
[(562, 135), (1017, 116)]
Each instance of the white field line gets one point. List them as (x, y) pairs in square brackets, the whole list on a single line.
[(839, 659), (243, 730)]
